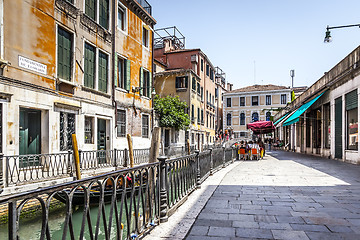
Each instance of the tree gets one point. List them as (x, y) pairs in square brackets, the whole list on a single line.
[(171, 112)]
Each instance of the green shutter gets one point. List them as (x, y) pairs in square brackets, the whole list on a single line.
[(64, 54), (338, 128), (351, 100), (90, 9), (104, 13), (89, 66), (128, 74), (141, 80), (103, 73), (116, 75), (150, 85)]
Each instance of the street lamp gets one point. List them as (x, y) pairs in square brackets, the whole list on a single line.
[(327, 33)]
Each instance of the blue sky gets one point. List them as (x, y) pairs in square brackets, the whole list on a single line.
[(260, 41)]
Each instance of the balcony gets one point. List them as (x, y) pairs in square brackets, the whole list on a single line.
[(145, 5)]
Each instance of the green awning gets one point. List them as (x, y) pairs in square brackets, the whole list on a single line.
[(295, 117), (280, 119)]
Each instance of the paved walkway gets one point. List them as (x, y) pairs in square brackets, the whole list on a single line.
[(284, 196)]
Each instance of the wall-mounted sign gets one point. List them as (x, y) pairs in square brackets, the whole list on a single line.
[(32, 65)]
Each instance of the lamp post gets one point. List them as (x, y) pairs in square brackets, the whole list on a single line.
[(328, 35)]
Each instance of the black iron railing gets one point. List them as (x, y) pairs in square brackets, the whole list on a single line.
[(145, 5), (122, 204)]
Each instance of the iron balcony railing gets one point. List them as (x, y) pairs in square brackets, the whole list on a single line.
[(145, 5), (122, 204)]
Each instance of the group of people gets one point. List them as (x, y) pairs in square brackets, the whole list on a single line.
[(258, 145)]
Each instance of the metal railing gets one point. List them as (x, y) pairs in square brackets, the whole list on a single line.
[(122, 204), (145, 5), (141, 156)]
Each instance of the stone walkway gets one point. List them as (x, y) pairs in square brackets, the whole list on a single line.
[(284, 196)]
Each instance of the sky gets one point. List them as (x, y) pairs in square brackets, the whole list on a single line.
[(260, 41)]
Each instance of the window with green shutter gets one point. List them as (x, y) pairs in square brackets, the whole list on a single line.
[(103, 72), (127, 74), (64, 54), (89, 66), (90, 9), (104, 13)]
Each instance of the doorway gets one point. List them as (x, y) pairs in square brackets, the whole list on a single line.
[(101, 140)]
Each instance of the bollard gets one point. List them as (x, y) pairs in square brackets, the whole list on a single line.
[(163, 192), (223, 156), (211, 162), (198, 183)]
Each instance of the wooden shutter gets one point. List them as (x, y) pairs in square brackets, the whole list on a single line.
[(150, 85), (116, 74), (104, 13), (103, 73), (351, 100), (127, 74), (186, 81), (64, 54), (177, 82), (89, 66), (90, 9), (141, 82)]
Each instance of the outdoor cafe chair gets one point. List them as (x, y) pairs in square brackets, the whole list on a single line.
[(255, 154)]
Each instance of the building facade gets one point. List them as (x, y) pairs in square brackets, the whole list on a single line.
[(199, 85), (70, 67), (251, 104), (221, 88), (324, 119)]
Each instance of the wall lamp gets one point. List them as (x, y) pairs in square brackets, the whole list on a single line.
[(328, 36)]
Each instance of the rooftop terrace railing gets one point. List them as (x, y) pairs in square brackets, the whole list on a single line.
[(145, 5)]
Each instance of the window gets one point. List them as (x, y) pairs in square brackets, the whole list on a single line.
[(228, 102), (122, 18), (102, 72), (351, 104), (198, 116), (207, 96), (268, 99), (193, 84), (202, 93), (242, 101), (216, 92), (67, 128), (89, 130), (211, 74), (89, 66), (64, 54), (145, 83), (198, 89), (268, 116), (255, 100), (121, 123), (192, 113), (283, 98), (181, 82), (228, 119), (91, 11), (242, 118), (202, 116), (255, 117), (207, 70), (145, 126), (202, 65), (123, 73), (145, 37), (213, 100)]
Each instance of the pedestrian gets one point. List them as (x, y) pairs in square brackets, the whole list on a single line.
[(262, 148)]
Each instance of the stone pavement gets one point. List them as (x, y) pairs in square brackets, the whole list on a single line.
[(285, 196)]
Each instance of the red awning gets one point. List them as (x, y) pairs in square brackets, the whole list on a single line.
[(261, 127)]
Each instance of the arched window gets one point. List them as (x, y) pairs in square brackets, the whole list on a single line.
[(268, 116), (228, 119), (255, 117), (242, 118)]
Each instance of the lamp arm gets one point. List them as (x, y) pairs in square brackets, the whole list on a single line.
[(343, 26)]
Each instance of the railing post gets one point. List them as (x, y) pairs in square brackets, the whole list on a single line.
[(12, 225), (163, 192), (224, 156), (7, 170), (80, 158), (115, 158), (126, 156), (1, 172), (211, 161), (198, 183), (69, 164)]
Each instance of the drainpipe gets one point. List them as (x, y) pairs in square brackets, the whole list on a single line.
[(113, 76), (153, 79)]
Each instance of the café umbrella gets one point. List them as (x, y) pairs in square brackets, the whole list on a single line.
[(261, 127)]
